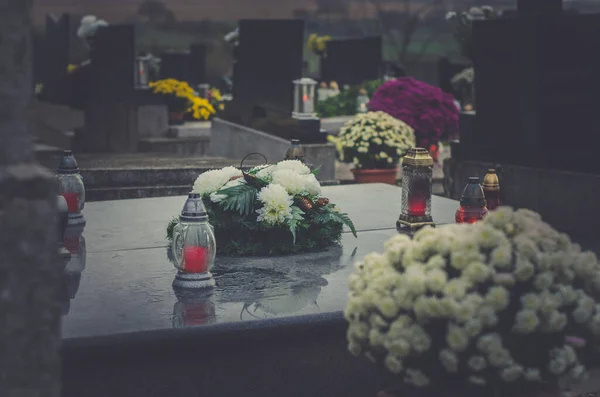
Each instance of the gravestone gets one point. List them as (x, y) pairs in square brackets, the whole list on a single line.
[(29, 268), (53, 60), (352, 61), (111, 113), (536, 87), (268, 59), (189, 66)]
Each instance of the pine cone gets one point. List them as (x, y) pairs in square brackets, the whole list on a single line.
[(305, 204), (233, 178), (321, 202)]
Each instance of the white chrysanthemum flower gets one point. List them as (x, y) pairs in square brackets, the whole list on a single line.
[(501, 257), (555, 321), (489, 342), (393, 364), (456, 288), (292, 181), (436, 280), (277, 205), (449, 360), (530, 301), (487, 316), (477, 380), (526, 321), (477, 272), (457, 338), (500, 358), (313, 186), (498, 298), (477, 363), (512, 373), (543, 281), (211, 181), (294, 165), (399, 347), (557, 366), (417, 378), (215, 197), (355, 349), (532, 375)]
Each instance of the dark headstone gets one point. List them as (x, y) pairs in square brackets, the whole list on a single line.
[(112, 67), (268, 59), (55, 58), (175, 65), (537, 92), (197, 64), (538, 7), (352, 61), (111, 111)]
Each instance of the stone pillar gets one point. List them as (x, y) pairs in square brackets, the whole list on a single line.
[(29, 272)]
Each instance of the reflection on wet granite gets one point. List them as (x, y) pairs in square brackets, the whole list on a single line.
[(129, 291), (74, 243)]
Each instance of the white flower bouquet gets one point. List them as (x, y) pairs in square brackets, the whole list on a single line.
[(507, 304), (374, 140), (270, 210)]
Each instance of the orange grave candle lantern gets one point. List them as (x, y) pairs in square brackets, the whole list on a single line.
[(491, 190), (417, 177), (472, 203)]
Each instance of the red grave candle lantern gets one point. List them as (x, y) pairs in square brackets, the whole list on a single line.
[(71, 187), (472, 203), (417, 176), (491, 190), (194, 246)]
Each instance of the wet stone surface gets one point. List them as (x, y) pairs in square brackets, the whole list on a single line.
[(123, 283)]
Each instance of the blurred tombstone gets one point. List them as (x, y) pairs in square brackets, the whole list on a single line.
[(352, 61), (111, 112), (54, 58)]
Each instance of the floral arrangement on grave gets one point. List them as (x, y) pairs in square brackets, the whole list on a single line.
[(373, 140), (180, 98), (430, 111), (464, 83), (345, 103), (506, 306), (273, 209), (318, 44)]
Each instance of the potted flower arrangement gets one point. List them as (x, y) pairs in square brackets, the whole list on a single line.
[(270, 210), (216, 99), (507, 306), (374, 142), (180, 99), (430, 111)]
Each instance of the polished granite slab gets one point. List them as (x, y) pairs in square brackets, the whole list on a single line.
[(120, 278), (130, 290), (141, 223)]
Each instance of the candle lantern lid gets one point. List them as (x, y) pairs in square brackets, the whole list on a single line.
[(193, 209), (472, 195), (68, 164), (417, 157), (491, 181), (305, 81)]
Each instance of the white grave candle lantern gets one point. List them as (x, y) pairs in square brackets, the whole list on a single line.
[(141, 72), (304, 99)]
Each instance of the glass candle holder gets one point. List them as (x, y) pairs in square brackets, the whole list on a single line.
[(491, 190), (295, 151), (417, 177), (472, 203), (194, 246), (71, 187)]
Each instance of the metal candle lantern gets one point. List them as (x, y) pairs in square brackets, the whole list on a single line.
[(417, 177), (71, 187), (472, 203), (295, 151), (304, 99), (142, 71), (194, 246), (362, 101), (491, 190)]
